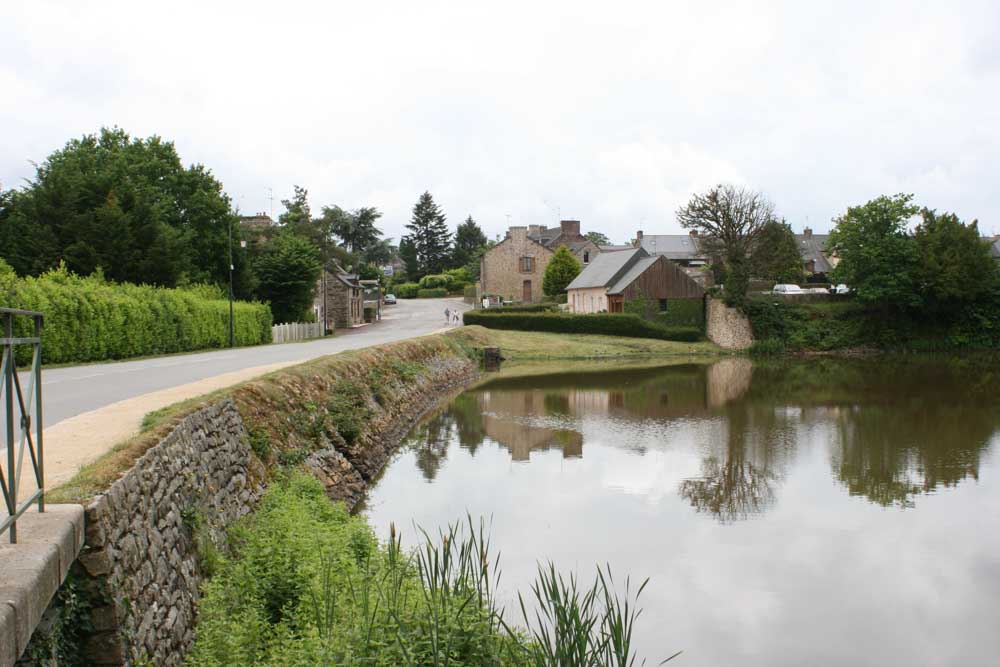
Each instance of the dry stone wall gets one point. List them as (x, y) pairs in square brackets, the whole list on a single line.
[(729, 328), (141, 560)]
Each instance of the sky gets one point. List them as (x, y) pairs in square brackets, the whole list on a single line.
[(524, 113)]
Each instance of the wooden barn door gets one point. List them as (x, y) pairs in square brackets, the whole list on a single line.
[(526, 292)]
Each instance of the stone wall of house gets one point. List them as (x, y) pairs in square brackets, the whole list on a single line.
[(729, 328), (141, 564), (500, 267)]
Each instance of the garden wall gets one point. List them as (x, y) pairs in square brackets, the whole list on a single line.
[(727, 327)]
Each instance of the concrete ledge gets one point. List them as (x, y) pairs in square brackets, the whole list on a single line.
[(32, 570)]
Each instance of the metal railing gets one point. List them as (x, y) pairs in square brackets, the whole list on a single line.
[(17, 410)]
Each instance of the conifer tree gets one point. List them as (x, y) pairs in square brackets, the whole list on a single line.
[(430, 236), (559, 273)]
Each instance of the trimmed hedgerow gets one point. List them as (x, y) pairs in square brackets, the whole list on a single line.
[(527, 308), (434, 293), (91, 319), (607, 324), (406, 290)]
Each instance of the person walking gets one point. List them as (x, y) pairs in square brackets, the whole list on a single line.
[(447, 316)]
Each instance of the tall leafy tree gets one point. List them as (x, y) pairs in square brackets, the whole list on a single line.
[(469, 239), (878, 258), (776, 255), (297, 215), (408, 253), (598, 238), (430, 236), (287, 270), (560, 272), (955, 265), (730, 219), (355, 229), (125, 206)]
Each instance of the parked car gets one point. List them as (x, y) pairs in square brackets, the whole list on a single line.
[(840, 289), (786, 289), (390, 299)]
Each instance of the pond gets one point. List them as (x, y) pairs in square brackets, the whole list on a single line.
[(822, 511)]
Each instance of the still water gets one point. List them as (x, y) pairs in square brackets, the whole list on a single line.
[(817, 512)]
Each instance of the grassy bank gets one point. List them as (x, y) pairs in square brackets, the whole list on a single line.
[(308, 584)]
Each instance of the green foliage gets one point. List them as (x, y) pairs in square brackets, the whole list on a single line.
[(90, 319), (408, 253), (598, 238), (560, 272), (435, 293), (288, 268), (406, 290), (607, 324), (526, 308), (311, 585), (878, 259), (469, 241), (679, 312), (434, 280), (348, 410), (776, 255), (954, 266), (62, 641), (356, 229), (429, 237), (127, 206)]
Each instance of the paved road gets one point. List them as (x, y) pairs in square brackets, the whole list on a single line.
[(73, 390)]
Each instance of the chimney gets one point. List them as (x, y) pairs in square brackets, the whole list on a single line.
[(638, 237), (518, 234), (807, 232), (570, 227), (534, 230)]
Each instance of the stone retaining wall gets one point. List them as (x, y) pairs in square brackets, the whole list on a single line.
[(141, 563), (729, 328)]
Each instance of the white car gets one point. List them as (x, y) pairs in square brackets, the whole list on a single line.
[(786, 289), (840, 289)]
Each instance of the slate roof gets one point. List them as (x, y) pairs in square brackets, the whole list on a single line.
[(631, 273), (606, 269), (546, 235), (673, 246), (812, 248)]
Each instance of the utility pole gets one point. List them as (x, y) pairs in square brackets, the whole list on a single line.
[(232, 336)]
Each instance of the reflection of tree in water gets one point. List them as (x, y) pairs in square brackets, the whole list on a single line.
[(890, 454), (740, 481), (431, 444)]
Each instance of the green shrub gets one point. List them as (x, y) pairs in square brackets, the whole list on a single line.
[(406, 290), (469, 291), (435, 293), (607, 324), (90, 319), (434, 281), (527, 308)]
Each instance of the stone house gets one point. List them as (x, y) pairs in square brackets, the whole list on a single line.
[(615, 278), (339, 301), (513, 269)]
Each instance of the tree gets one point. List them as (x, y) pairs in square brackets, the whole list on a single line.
[(560, 272), (598, 238), (955, 266), (408, 253), (430, 237), (380, 252), (287, 270), (356, 229), (469, 238), (297, 215), (731, 220), (776, 255), (126, 206), (878, 259)]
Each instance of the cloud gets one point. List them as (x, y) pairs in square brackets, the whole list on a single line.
[(613, 114)]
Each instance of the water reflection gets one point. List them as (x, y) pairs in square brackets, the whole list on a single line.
[(893, 429)]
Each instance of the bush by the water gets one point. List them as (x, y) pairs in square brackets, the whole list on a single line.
[(310, 584), (607, 324), (91, 319)]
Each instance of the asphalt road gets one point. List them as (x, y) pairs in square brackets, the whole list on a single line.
[(73, 390)]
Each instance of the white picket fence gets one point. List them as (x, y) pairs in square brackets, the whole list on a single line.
[(285, 333)]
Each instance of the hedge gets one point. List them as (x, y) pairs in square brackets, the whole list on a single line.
[(406, 290), (434, 293), (607, 324), (90, 319), (527, 308)]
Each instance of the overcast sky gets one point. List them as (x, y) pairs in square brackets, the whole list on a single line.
[(613, 113)]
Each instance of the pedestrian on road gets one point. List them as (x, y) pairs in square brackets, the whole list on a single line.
[(447, 316)]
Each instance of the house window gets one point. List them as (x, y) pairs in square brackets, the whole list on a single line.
[(527, 265), (663, 305), (586, 256)]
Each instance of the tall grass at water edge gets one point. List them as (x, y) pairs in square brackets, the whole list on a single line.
[(307, 583)]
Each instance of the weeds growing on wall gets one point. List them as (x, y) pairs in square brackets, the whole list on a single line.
[(310, 584)]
